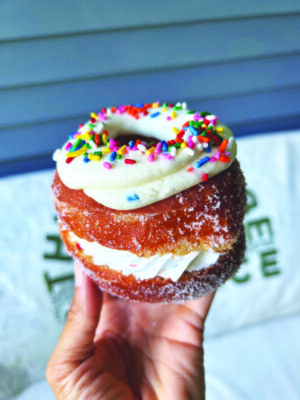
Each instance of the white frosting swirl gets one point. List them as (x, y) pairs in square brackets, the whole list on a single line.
[(122, 186), (167, 266)]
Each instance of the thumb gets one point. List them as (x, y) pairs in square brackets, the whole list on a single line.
[(77, 339)]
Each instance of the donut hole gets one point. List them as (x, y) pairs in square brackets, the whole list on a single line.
[(125, 138)]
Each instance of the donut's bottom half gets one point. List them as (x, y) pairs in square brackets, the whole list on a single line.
[(190, 286)]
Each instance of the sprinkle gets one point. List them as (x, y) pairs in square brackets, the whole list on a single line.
[(204, 177), (202, 162), (211, 118), (155, 115), (223, 145), (69, 159), (169, 118), (193, 130), (189, 151), (230, 142), (112, 143), (94, 157), (86, 136), (195, 139), (122, 150), (94, 115), (217, 155), (104, 137), (205, 113), (207, 149), (78, 246), (173, 151), (142, 147), (183, 145), (173, 115), (102, 117), (133, 197), (113, 156), (199, 146), (129, 161), (155, 105), (106, 150), (217, 140), (191, 144), (151, 157), (158, 147), (164, 146), (219, 129), (175, 130), (224, 159), (122, 109), (131, 143), (76, 144), (68, 145), (190, 169), (203, 139), (76, 153), (167, 156), (150, 151), (107, 165)]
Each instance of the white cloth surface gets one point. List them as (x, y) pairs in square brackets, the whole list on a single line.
[(36, 278), (260, 361), (269, 281)]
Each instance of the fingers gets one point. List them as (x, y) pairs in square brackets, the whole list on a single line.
[(77, 340)]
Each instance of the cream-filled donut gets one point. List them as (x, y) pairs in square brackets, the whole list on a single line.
[(150, 199)]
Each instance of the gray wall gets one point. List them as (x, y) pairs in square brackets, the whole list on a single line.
[(61, 59)]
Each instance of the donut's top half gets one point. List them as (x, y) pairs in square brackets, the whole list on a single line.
[(131, 156)]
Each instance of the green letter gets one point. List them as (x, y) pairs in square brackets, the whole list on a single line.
[(268, 262)]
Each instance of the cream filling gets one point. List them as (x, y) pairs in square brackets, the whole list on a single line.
[(167, 266), (130, 186)]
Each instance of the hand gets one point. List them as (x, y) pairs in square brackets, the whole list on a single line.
[(116, 349)]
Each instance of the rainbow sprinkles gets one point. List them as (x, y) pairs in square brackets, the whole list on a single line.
[(188, 147)]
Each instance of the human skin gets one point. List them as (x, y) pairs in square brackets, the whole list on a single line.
[(115, 349)]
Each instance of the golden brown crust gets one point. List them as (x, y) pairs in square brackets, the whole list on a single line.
[(191, 285), (208, 215)]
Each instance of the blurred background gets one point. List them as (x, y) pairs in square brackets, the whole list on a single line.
[(62, 59), (240, 60)]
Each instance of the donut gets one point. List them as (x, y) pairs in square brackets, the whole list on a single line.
[(151, 200)]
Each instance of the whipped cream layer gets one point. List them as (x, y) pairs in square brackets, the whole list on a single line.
[(130, 177), (167, 266)]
